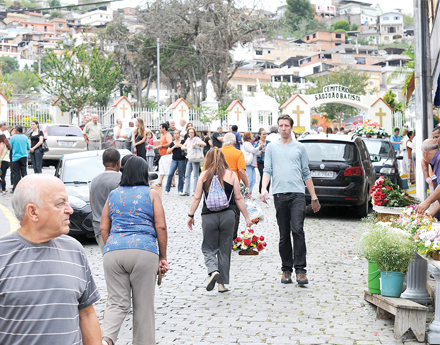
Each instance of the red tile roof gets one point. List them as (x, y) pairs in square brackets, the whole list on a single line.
[(290, 100), (120, 99), (232, 105), (176, 103)]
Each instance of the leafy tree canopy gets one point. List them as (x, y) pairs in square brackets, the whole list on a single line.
[(9, 64), (390, 98), (342, 24), (356, 82), (281, 92), (297, 11), (24, 81), (56, 14)]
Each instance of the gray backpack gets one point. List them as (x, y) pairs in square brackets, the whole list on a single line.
[(216, 199)]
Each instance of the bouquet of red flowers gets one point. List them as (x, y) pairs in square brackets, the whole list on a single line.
[(248, 241), (386, 193)]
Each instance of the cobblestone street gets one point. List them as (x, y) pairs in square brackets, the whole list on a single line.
[(259, 309)]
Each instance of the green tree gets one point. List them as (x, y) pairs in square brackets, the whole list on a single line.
[(54, 3), (56, 14), (406, 71), (356, 82), (282, 92), (354, 27), (80, 77), (390, 98), (24, 81), (342, 24), (408, 20), (9, 64), (298, 11)]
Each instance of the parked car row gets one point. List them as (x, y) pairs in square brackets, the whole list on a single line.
[(344, 167)]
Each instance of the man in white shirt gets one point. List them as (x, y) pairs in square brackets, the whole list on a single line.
[(120, 135), (4, 129), (404, 152), (273, 136)]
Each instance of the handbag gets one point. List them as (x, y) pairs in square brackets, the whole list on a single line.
[(248, 157), (43, 147), (195, 155)]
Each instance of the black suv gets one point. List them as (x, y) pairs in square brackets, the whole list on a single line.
[(384, 158), (341, 168)]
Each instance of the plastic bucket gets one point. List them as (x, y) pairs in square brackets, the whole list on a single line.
[(392, 283), (373, 278)]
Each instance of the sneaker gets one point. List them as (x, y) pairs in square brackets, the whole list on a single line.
[(4, 192), (167, 192), (212, 280), (301, 279), (286, 278), (182, 194)]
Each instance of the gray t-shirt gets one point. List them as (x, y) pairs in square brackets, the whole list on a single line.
[(43, 287), (100, 188)]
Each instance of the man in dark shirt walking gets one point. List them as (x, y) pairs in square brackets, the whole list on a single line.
[(217, 138)]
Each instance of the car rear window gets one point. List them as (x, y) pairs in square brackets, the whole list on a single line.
[(378, 147), (330, 151), (64, 131)]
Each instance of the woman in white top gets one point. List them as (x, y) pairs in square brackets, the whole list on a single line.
[(248, 149), (193, 141), (4, 160)]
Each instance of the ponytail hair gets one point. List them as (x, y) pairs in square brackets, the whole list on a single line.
[(215, 164)]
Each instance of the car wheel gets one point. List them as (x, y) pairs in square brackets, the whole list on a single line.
[(362, 210)]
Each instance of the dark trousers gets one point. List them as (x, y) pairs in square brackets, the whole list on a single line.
[(234, 207), (260, 165), (4, 168), (37, 161), (18, 170), (291, 212)]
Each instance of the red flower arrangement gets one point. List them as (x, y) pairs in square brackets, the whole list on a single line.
[(248, 241)]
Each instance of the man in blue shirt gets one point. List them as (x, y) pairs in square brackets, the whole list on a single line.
[(237, 137), (396, 140), (286, 161), (19, 146)]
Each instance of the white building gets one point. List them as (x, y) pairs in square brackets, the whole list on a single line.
[(97, 16), (390, 26)]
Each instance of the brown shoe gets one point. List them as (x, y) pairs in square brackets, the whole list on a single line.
[(301, 279), (286, 278)]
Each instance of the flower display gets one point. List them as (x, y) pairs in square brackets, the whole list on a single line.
[(248, 240), (415, 222), (386, 193), (369, 128)]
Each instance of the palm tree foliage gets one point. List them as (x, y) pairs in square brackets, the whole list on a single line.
[(406, 71)]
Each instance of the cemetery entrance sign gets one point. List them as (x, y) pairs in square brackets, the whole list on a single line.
[(299, 106)]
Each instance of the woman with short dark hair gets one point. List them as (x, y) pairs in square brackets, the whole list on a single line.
[(207, 140), (133, 228), (5, 161), (249, 149)]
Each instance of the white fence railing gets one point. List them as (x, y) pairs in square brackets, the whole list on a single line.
[(400, 121), (24, 114)]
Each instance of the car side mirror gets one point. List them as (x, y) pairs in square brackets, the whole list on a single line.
[(375, 158), (399, 158)]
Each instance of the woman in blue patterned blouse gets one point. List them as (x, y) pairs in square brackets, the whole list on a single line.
[(134, 231)]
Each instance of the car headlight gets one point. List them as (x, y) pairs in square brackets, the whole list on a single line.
[(387, 171), (76, 202)]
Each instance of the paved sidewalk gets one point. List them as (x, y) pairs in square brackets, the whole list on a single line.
[(259, 309)]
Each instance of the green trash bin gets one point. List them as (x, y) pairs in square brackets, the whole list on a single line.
[(405, 183), (373, 278)]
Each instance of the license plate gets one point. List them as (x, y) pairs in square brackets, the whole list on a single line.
[(322, 173), (67, 143)]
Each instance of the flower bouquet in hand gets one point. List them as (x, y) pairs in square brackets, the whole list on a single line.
[(247, 242)]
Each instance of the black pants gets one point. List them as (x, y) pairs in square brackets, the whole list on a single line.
[(260, 165), (18, 170), (291, 212), (4, 168)]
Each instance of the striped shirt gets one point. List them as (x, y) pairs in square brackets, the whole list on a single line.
[(42, 288)]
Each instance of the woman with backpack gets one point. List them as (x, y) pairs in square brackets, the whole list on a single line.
[(250, 157), (220, 188)]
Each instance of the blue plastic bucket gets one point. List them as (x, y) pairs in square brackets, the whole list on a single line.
[(392, 283), (373, 278)]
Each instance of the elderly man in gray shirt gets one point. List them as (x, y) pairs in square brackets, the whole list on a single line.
[(93, 134), (47, 287), (100, 188), (286, 161)]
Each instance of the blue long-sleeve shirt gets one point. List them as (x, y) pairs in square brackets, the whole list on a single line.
[(288, 165)]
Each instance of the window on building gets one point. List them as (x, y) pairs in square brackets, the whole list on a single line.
[(337, 44), (239, 87), (314, 35), (316, 69), (278, 58), (45, 29), (397, 18), (251, 88), (307, 38), (360, 60), (386, 18), (338, 35), (258, 52), (269, 52), (100, 16), (60, 25)]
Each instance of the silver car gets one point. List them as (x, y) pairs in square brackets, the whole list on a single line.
[(62, 139)]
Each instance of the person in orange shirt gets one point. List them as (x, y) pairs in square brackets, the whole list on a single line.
[(235, 160), (165, 158)]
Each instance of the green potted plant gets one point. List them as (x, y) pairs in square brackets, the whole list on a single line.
[(391, 249)]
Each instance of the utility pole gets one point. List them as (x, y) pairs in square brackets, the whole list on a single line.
[(423, 88), (158, 72)]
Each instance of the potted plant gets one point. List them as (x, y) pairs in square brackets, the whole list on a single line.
[(247, 242), (391, 249)]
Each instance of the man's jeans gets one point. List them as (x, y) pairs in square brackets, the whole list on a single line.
[(291, 212), (19, 170), (173, 168)]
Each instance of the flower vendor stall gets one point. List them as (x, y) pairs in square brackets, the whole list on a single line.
[(369, 129)]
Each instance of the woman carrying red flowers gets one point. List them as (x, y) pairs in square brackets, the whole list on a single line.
[(217, 226)]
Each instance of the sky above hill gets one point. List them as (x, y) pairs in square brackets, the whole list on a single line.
[(271, 5)]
